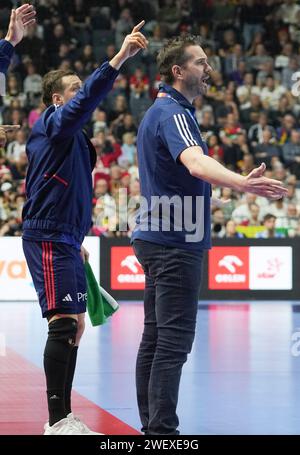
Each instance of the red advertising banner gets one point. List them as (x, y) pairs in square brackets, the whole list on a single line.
[(126, 271), (228, 268)]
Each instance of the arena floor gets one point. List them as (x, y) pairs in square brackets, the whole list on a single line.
[(242, 376)]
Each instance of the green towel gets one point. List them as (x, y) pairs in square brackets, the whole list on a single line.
[(100, 304)]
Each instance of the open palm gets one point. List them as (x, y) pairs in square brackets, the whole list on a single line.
[(20, 19)]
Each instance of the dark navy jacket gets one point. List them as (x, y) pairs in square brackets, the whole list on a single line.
[(61, 159), (175, 206)]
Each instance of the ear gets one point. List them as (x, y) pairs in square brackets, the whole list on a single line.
[(177, 72), (57, 99)]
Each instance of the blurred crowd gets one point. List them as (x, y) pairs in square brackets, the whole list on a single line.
[(251, 113)]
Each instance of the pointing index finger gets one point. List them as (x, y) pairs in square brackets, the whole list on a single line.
[(137, 27)]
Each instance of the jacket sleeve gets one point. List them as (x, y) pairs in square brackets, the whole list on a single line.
[(6, 53), (66, 120), (177, 135)]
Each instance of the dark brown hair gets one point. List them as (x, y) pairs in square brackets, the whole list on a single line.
[(52, 82), (173, 53)]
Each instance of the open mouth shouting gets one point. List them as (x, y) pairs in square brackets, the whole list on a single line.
[(205, 80)]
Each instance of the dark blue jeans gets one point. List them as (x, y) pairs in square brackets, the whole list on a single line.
[(173, 277)]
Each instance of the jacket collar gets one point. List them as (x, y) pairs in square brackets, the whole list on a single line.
[(177, 96)]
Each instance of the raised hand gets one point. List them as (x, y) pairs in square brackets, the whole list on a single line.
[(20, 19), (132, 44), (262, 186), (5, 129)]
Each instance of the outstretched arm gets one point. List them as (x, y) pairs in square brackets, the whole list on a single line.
[(69, 118), (210, 170), (20, 19)]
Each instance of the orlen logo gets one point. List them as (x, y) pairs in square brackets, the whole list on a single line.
[(126, 271), (230, 263), (131, 263), (229, 268)]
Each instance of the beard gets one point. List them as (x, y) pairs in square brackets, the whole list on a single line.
[(196, 85)]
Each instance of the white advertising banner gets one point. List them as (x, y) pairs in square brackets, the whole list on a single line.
[(15, 279), (271, 268)]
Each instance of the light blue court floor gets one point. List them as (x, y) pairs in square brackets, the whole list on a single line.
[(242, 377)]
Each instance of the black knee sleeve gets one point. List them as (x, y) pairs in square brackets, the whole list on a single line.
[(63, 330), (61, 339)]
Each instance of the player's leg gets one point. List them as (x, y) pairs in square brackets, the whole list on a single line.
[(62, 331), (81, 300), (72, 363), (81, 308), (53, 272)]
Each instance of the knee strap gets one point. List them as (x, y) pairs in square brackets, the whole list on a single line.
[(63, 330)]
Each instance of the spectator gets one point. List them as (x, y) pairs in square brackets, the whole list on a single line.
[(15, 148), (288, 123), (257, 61), (124, 124), (291, 153), (229, 138), (33, 47), (119, 108), (14, 91), (293, 197), (251, 17), (255, 216), (267, 148), (288, 71), (214, 148), (292, 218), (34, 114), (255, 133), (287, 12), (139, 82), (32, 85), (242, 212), (100, 122), (218, 223), (124, 26), (269, 225), (229, 202), (231, 230), (284, 108), (279, 210), (128, 151), (250, 114), (110, 149), (271, 93)]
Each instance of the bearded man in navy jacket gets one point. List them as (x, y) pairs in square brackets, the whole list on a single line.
[(57, 216)]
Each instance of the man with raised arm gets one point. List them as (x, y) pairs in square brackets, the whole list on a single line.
[(57, 216)]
